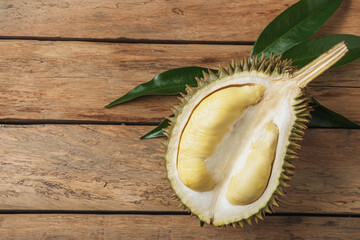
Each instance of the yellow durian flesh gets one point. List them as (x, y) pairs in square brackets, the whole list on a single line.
[(208, 124), (226, 196), (249, 184)]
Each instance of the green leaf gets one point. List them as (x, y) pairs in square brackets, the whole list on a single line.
[(325, 118), (321, 117), (307, 51), (167, 83), (202, 223), (294, 25), (157, 132)]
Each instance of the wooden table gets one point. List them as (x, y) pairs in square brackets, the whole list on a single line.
[(71, 169)]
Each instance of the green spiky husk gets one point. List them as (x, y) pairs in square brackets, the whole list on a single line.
[(275, 67)]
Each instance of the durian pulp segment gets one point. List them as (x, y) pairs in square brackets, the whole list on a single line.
[(250, 183), (209, 122)]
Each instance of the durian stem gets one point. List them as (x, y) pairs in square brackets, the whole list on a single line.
[(306, 74)]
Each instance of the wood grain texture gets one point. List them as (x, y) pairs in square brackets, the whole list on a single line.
[(97, 167), (35, 226), (198, 20), (75, 80)]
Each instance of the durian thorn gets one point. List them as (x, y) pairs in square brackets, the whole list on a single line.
[(267, 209), (255, 63), (262, 67), (302, 120), (171, 119), (166, 133), (206, 76), (230, 69), (300, 125), (284, 184), (233, 63), (285, 177), (237, 68), (234, 225), (300, 107), (259, 215), (290, 151), (268, 69), (305, 116), (212, 75), (273, 202), (320, 64), (189, 90), (245, 65), (298, 131), (182, 100), (291, 157), (241, 224), (295, 138), (198, 81), (288, 165), (256, 220), (289, 172), (222, 72), (248, 220), (278, 59), (293, 145), (165, 144), (262, 59), (280, 193), (183, 95), (302, 111)]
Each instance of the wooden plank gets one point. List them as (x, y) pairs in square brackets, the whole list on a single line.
[(160, 20), (106, 167), (57, 226), (74, 80)]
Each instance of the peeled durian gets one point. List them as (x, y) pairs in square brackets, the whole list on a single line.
[(232, 141)]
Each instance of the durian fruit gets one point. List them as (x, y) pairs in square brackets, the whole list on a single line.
[(232, 141)]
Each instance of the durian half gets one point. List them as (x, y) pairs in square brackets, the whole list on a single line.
[(232, 141)]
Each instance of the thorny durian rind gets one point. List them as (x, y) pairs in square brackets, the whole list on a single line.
[(283, 104)]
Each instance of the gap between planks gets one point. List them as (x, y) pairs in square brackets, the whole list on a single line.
[(162, 213), (125, 40)]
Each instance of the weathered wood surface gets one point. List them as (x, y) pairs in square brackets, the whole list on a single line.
[(106, 167), (57, 226), (74, 80), (199, 20)]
